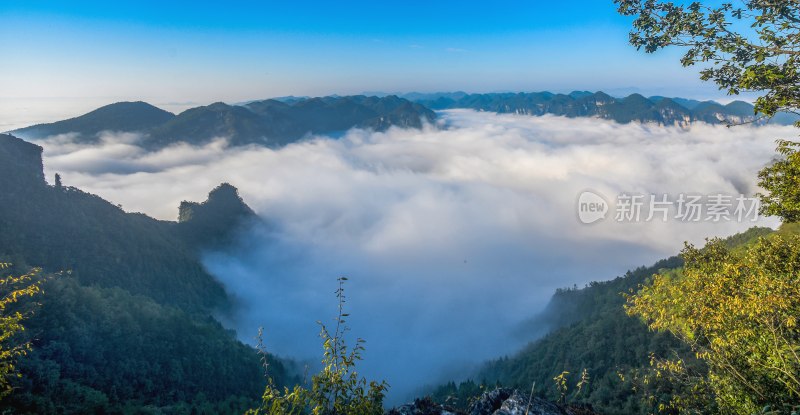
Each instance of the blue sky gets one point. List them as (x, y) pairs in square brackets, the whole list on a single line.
[(180, 53)]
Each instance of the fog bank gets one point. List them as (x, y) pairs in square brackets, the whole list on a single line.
[(450, 236)]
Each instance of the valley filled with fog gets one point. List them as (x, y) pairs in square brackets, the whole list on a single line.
[(451, 236)]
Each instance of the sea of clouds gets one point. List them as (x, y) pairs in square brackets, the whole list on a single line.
[(451, 236)]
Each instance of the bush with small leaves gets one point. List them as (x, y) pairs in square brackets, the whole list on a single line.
[(12, 290), (337, 389), (738, 310)]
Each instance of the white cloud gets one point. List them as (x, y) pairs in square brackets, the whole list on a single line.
[(451, 236)]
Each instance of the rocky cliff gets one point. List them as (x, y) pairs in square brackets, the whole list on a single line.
[(215, 222), (497, 402), (20, 165)]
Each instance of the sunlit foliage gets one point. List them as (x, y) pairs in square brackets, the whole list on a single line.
[(781, 180), (739, 312), (337, 389), (12, 290)]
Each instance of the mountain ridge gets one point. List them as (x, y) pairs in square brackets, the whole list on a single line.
[(271, 122), (276, 122), (128, 116), (632, 108)]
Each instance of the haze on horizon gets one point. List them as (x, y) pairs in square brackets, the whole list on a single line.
[(62, 59)]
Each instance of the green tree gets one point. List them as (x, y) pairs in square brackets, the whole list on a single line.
[(337, 389), (739, 312), (751, 46), (561, 386), (782, 182), (12, 290)]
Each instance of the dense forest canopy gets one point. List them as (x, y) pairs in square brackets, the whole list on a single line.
[(130, 326)]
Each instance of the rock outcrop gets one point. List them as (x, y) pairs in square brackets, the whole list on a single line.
[(500, 401), (20, 165), (425, 406), (215, 223), (63, 228)]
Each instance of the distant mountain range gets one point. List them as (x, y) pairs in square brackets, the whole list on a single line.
[(280, 121), (269, 122), (635, 107)]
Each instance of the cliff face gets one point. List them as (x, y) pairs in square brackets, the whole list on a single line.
[(215, 222), (20, 165), (63, 228), (129, 329)]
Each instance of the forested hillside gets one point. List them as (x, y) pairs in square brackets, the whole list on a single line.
[(130, 325), (589, 330)]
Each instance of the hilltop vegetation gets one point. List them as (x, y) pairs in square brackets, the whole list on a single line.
[(63, 228), (271, 123), (590, 331), (130, 328)]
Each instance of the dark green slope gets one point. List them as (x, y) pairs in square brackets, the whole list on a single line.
[(121, 116), (67, 229), (333, 114), (330, 114), (279, 119), (393, 111), (216, 222), (631, 108), (104, 350), (710, 112), (689, 104), (595, 335), (588, 329), (130, 329), (202, 124)]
